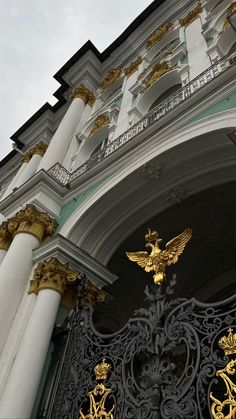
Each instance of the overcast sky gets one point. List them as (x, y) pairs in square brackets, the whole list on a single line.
[(38, 37)]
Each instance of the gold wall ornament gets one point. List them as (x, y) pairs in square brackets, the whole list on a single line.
[(32, 221), (231, 10), (91, 294), (191, 16), (158, 70), (111, 76), (159, 259), (227, 408), (53, 275), (98, 396), (5, 236), (158, 34), (40, 149), (100, 121), (83, 93), (133, 67)]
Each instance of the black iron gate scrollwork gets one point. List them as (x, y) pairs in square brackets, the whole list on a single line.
[(163, 363)]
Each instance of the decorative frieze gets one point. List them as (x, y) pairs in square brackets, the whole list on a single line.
[(191, 16), (30, 220), (132, 67), (157, 71), (111, 76), (83, 93), (5, 236), (158, 34), (52, 275), (100, 121)]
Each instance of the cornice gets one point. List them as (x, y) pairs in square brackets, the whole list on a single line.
[(67, 252), (42, 190)]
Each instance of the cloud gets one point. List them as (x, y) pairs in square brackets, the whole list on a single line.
[(38, 37)]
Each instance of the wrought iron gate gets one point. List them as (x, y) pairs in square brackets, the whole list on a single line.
[(163, 362)]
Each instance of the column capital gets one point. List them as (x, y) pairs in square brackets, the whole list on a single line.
[(91, 294), (26, 157), (5, 236), (30, 220), (52, 275), (83, 93), (40, 149)]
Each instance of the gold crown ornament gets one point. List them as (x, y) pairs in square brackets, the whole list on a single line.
[(101, 370), (228, 343)]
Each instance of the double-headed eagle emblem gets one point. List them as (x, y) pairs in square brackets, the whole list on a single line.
[(159, 259)]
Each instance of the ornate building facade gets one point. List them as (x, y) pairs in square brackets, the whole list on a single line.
[(143, 135)]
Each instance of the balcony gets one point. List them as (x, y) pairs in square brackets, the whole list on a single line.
[(156, 114)]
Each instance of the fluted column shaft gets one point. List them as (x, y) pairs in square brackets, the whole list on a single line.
[(61, 140)]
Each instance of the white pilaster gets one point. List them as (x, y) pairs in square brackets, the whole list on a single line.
[(29, 170), (22, 385), (197, 48)]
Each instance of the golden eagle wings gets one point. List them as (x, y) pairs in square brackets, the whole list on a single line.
[(159, 259)]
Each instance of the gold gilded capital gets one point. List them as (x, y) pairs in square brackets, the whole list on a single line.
[(40, 149), (191, 16), (83, 93), (30, 220), (5, 236), (111, 76), (52, 275), (91, 294), (100, 121), (132, 67), (26, 157)]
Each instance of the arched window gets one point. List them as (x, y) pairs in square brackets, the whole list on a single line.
[(164, 95)]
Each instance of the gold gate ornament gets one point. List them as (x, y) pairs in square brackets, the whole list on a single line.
[(218, 408), (98, 396)]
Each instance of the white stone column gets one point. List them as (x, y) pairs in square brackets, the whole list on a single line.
[(5, 240), (37, 153), (28, 228), (21, 388), (24, 160), (61, 140)]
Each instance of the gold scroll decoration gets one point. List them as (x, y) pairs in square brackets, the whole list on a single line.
[(32, 221), (191, 16), (100, 121), (230, 12), (226, 409), (159, 259), (53, 275), (98, 396), (157, 71), (133, 67), (83, 93), (91, 294), (111, 76), (158, 34)]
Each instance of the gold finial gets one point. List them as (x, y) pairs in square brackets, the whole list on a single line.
[(100, 121), (101, 370), (158, 34), (111, 76), (159, 259), (191, 16), (228, 343)]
